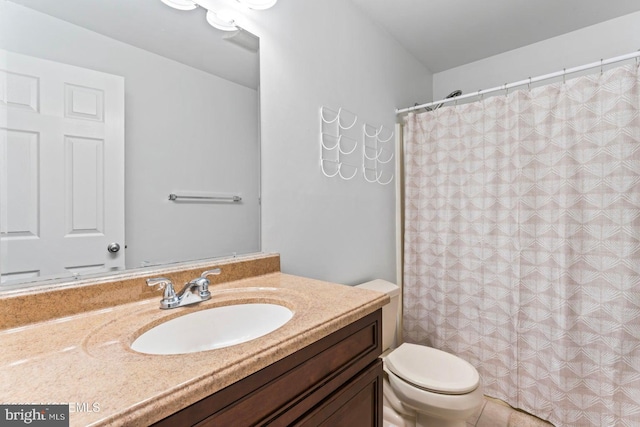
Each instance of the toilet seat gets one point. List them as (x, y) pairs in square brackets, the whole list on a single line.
[(433, 370)]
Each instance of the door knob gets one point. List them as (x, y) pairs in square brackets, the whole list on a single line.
[(113, 247)]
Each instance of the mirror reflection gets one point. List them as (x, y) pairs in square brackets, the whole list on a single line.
[(106, 108)]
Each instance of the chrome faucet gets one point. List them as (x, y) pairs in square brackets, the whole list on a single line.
[(186, 296)]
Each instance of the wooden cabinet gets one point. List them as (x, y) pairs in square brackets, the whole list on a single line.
[(336, 381)]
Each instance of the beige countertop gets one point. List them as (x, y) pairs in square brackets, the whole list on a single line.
[(85, 359)]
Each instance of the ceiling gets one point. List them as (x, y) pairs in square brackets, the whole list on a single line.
[(183, 36), (444, 34)]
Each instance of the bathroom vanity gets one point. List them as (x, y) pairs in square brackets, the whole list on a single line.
[(336, 381), (320, 368)]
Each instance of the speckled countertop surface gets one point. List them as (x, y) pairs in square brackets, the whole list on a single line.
[(85, 359)]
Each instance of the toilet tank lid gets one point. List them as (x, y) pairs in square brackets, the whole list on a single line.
[(381, 286)]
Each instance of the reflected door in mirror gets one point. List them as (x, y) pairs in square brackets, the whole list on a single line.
[(60, 220)]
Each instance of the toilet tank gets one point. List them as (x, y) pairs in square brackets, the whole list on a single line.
[(389, 311)]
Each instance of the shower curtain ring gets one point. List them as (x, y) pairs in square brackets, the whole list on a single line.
[(564, 75), (529, 84), (601, 66)]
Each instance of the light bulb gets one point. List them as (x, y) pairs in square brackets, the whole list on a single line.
[(227, 15), (222, 21), (180, 4)]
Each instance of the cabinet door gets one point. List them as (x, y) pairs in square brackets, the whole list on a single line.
[(357, 403)]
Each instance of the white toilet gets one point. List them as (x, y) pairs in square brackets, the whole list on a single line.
[(423, 386)]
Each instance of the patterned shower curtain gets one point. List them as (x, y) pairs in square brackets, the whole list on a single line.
[(522, 244)]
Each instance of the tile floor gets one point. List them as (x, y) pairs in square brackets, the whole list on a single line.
[(495, 413)]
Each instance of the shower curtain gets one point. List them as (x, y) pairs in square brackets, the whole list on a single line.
[(522, 244)]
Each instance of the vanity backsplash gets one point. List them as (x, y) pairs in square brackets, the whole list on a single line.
[(68, 298)]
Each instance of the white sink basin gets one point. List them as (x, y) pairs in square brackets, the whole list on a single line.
[(213, 328)]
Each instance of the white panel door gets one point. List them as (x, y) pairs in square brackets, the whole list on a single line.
[(61, 169)]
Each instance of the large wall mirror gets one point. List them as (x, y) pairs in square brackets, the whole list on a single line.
[(107, 107)]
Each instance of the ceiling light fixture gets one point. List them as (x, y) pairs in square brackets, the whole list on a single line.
[(219, 15)]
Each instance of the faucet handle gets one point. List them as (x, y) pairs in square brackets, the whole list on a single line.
[(169, 298), (203, 282), (213, 272), (161, 282)]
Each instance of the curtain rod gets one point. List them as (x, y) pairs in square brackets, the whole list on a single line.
[(528, 81)]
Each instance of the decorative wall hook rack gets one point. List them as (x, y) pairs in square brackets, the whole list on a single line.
[(377, 152), (339, 144)]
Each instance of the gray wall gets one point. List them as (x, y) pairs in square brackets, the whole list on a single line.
[(607, 39), (327, 53)]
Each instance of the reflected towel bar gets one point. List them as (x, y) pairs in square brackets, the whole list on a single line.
[(174, 197)]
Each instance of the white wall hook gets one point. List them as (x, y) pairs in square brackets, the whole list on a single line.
[(385, 161), (346, 113), (347, 178), (384, 183), (375, 133), (326, 111), (380, 133), (336, 166), (375, 156), (353, 141), (375, 175), (326, 139)]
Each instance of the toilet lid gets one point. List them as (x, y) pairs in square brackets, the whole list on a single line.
[(432, 369)]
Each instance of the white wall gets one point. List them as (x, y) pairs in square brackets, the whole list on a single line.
[(607, 39), (327, 53), (184, 130)]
